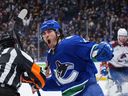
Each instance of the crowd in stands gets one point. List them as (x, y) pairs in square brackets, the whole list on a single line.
[(96, 20)]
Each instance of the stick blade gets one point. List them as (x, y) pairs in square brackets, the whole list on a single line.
[(23, 13)]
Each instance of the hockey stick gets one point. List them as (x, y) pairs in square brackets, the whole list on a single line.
[(38, 93), (21, 16), (18, 24), (23, 13)]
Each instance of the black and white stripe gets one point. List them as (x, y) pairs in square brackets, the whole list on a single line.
[(11, 68)]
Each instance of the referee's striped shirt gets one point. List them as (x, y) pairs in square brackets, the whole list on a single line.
[(13, 63)]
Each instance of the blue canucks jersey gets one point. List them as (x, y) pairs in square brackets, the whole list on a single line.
[(71, 64)]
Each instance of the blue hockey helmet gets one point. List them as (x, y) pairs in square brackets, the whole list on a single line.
[(50, 24)]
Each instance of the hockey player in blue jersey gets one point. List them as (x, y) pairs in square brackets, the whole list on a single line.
[(70, 61)]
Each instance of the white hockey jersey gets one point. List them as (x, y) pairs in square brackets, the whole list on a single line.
[(120, 58)]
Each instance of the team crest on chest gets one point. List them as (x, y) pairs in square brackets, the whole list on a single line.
[(62, 69), (123, 58)]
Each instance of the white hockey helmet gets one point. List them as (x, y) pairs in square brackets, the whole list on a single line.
[(122, 32)]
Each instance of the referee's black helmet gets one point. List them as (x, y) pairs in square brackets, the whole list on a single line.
[(7, 40)]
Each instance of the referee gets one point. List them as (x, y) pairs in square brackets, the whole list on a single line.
[(13, 64)]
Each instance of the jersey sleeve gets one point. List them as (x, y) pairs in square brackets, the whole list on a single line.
[(78, 46), (83, 49), (35, 73)]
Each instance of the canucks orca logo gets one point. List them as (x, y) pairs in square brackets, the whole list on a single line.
[(62, 69)]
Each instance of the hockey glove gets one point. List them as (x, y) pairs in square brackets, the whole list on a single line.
[(103, 52)]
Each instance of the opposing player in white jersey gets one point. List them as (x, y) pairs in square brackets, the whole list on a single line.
[(118, 66)]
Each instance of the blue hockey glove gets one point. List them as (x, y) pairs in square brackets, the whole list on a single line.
[(104, 52)]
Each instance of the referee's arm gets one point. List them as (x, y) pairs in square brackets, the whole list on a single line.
[(34, 71)]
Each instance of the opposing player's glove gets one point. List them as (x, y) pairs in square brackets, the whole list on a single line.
[(102, 52)]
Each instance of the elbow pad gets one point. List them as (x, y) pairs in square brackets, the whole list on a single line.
[(102, 52)]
